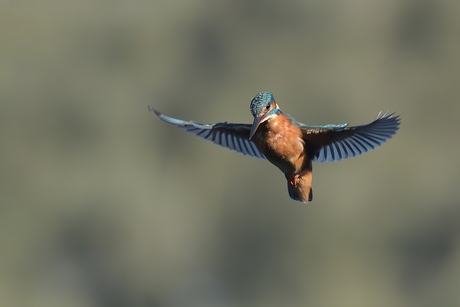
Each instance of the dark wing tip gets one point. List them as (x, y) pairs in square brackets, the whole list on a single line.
[(391, 121), (157, 113), (387, 115)]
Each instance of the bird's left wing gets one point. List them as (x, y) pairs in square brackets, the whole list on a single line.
[(231, 136), (336, 142)]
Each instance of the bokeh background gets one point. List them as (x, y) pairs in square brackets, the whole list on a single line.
[(102, 204)]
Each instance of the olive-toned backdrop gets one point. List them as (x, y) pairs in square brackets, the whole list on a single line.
[(101, 204)]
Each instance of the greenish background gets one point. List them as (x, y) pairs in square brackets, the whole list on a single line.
[(101, 204)]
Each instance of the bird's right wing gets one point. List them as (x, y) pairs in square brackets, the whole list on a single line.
[(232, 136)]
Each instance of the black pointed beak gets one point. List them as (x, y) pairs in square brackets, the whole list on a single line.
[(255, 124)]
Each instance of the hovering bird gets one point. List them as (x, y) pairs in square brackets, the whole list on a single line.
[(289, 145)]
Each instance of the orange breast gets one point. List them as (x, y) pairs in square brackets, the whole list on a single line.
[(281, 142)]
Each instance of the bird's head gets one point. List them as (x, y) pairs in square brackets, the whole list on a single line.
[(263, 107)]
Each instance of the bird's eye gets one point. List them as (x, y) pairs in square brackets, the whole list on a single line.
[(267, 107)]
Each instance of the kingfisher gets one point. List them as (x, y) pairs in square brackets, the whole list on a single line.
[(290, 145)]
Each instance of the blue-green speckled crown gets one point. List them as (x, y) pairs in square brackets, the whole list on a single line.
[(260, 101)]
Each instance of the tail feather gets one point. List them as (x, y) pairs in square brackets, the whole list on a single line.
[(302, 190)]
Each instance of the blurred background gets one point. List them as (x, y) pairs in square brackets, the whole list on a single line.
[(102, 204)]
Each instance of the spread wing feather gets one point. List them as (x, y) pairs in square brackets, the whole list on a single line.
[(336, 142), (231, 136)]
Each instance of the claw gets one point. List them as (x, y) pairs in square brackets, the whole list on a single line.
[(292, 179)]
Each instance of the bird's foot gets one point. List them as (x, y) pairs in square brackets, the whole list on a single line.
[(292, 179)]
